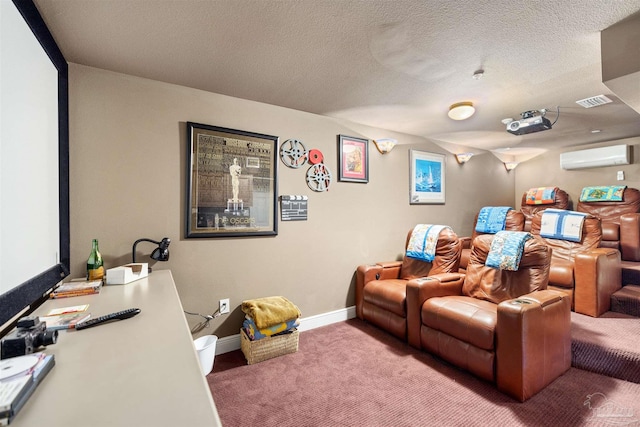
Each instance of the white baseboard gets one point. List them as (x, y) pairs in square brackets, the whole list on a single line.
[(232, 343)]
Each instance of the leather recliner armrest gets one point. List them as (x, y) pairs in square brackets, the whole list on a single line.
[(466, 242), (465, 252), (390, 270), (597, 276), (368, 272), (533, 342), (630, 236), (420, 290), (364, 274)]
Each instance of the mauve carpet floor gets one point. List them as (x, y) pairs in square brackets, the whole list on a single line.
[(606, 345), (353, 374)]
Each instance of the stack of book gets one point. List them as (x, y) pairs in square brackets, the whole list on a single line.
[(19, 377), (76, 288)]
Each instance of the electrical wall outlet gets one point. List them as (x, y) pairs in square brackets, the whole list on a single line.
[(620, 176), (224, 306)]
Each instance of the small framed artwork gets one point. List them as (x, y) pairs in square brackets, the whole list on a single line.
[(426, 177), (353, 159), (231, 182)]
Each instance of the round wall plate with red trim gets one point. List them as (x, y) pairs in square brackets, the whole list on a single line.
[(315, 156), (293, 153)]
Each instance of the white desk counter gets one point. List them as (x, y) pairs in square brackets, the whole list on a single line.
[(142, 371)]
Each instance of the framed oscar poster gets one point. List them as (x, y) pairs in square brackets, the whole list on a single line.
[(231, 182)]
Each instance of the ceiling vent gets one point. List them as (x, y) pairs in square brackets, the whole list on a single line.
[(594, 101)]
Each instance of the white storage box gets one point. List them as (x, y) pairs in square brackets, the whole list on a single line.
[(127, 273)]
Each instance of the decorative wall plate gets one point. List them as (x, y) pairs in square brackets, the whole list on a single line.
[(319, 177), (293, 153), (315, 156)]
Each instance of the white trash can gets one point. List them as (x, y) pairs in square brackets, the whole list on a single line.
[(206, 348)]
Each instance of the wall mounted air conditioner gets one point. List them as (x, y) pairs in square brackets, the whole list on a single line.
[(596, 157)]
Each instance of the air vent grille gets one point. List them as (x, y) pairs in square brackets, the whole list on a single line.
[(594, 101)]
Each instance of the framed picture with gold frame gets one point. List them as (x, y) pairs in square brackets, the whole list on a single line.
[(426, 178), (353, 159), (231, 182)]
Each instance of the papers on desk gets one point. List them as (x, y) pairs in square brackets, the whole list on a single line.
[(19, 377), (64, 321), (67, 310)]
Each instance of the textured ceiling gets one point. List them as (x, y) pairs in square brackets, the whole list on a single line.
[(395, 65)]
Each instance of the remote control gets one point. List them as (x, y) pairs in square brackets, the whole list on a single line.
[(119, 315)]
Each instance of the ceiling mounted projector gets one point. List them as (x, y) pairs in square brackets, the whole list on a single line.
[(530, 123)]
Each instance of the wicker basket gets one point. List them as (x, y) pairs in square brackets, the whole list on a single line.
[(268, 348)]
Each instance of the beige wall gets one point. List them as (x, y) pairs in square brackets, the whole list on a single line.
[(621, 71), (545, 170), (127, 179)]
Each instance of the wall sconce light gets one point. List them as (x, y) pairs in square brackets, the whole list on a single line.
[(461, 110), (385, 145), (161, 253), (463, 158), (509, 166)]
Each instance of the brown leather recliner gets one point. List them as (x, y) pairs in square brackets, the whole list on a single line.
[(582, 270), (381, 287), (561, 201), (503, 326), (620, 229), (514, 221)]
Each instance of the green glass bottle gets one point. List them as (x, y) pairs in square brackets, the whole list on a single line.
[(95, 268)]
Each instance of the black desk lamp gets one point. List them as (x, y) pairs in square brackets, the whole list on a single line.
[(161, 253)]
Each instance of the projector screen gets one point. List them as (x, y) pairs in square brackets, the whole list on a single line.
[(34, 217)]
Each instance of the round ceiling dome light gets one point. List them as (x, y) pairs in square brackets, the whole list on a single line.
[(461, 110)]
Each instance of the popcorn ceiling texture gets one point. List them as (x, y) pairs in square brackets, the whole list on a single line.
[(394, 65)]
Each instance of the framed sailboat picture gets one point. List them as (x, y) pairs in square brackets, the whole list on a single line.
[(427, 177)]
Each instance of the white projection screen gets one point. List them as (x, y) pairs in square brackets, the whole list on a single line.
[(31, 194)]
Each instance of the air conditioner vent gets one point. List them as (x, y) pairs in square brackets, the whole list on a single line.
[(594, 101)]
